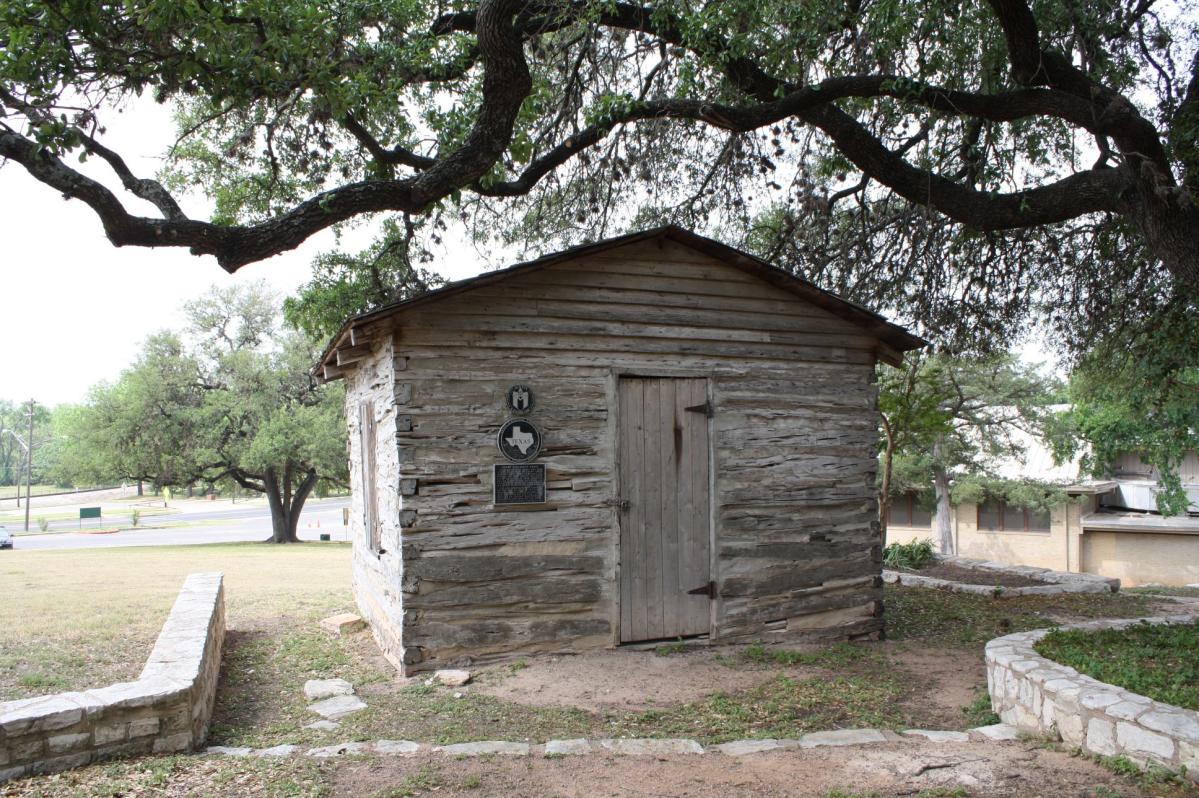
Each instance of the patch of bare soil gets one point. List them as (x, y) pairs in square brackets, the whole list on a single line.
[(943, 682), (898, 769), (973, 576), (624, 679)]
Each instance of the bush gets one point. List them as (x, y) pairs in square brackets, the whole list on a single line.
[(43, 524), (914, 555), (135, 516)]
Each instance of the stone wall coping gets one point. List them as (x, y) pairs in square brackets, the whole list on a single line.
[(1040, 696), (165, 709), (1056, 582)]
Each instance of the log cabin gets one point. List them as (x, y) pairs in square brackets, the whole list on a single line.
[(651, 437)]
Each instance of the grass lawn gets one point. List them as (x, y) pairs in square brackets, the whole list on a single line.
[(1158, 661), (114, 518), (1162, 590), (964, 619), (11, 491), (77, 619)]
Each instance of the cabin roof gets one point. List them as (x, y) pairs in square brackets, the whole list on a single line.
[(350, 342)]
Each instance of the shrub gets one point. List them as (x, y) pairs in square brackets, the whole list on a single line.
[(914, 555)]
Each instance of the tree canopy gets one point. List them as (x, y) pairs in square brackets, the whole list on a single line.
[(1141, 396), (949, 416), (958, 161), (228, 400)]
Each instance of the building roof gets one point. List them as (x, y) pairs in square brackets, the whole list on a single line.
[(347, 347), (1126, 521), (1038, 462)]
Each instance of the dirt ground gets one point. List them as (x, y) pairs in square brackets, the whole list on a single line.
[(942, 681), (899, 769), (625, 679)]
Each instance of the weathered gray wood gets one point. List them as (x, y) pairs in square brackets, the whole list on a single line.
[(651, 530), (665, 532), (696, 515), (793, 431), (579, 342), (476, 568), (368, 448), (642, 325), (530, 593)]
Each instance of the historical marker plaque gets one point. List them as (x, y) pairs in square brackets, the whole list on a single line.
[(519, 483)]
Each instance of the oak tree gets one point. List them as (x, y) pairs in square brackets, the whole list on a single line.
[(947, 417), (979, 157), (229, 399)]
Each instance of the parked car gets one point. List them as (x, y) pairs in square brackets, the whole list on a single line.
[(5, 538)]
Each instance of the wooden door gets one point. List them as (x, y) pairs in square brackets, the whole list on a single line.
[(664, 518)]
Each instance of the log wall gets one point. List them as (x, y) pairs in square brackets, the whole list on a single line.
[(377, 573), (793, 439)]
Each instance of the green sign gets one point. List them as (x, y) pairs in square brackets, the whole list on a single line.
[(89, 512)]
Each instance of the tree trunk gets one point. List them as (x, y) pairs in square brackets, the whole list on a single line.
[(884, 489), (941, 487), (285, 505)]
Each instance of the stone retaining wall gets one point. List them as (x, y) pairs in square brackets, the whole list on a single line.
[(1055, 581), (1040, 696), (167, 709)]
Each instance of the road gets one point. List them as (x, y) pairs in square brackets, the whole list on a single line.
[(249, 523)]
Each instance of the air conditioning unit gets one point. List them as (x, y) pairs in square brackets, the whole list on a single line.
[(1141, 494)]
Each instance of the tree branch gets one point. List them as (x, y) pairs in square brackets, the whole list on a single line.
[(506, 83), (395, 155)]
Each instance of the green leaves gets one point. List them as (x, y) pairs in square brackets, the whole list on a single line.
[(962, 414), (1137, 392), (344, 285), (225, 400)]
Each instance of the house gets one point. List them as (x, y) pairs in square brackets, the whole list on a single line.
[(1108, 527), (647, 438)]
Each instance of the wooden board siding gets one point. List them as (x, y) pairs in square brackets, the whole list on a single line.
[(792, 387), (665, 508)]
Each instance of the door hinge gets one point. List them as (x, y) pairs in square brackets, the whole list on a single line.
[(706, 408), (708, 590)]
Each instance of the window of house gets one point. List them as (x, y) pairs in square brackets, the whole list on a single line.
[(997, 516), (906, 510), (367, 444)]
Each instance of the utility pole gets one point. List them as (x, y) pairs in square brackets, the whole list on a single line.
[(29, 469), (24, 446)]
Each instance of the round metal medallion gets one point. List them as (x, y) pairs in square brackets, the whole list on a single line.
[(519, 441)]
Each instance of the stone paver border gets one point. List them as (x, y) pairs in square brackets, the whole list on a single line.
[(1056, 582), (630, 746), (166, 710), (1040, 696)]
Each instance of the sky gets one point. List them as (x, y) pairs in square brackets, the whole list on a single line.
[(74, 309)]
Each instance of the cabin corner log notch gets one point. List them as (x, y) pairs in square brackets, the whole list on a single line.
[(707, 425)]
